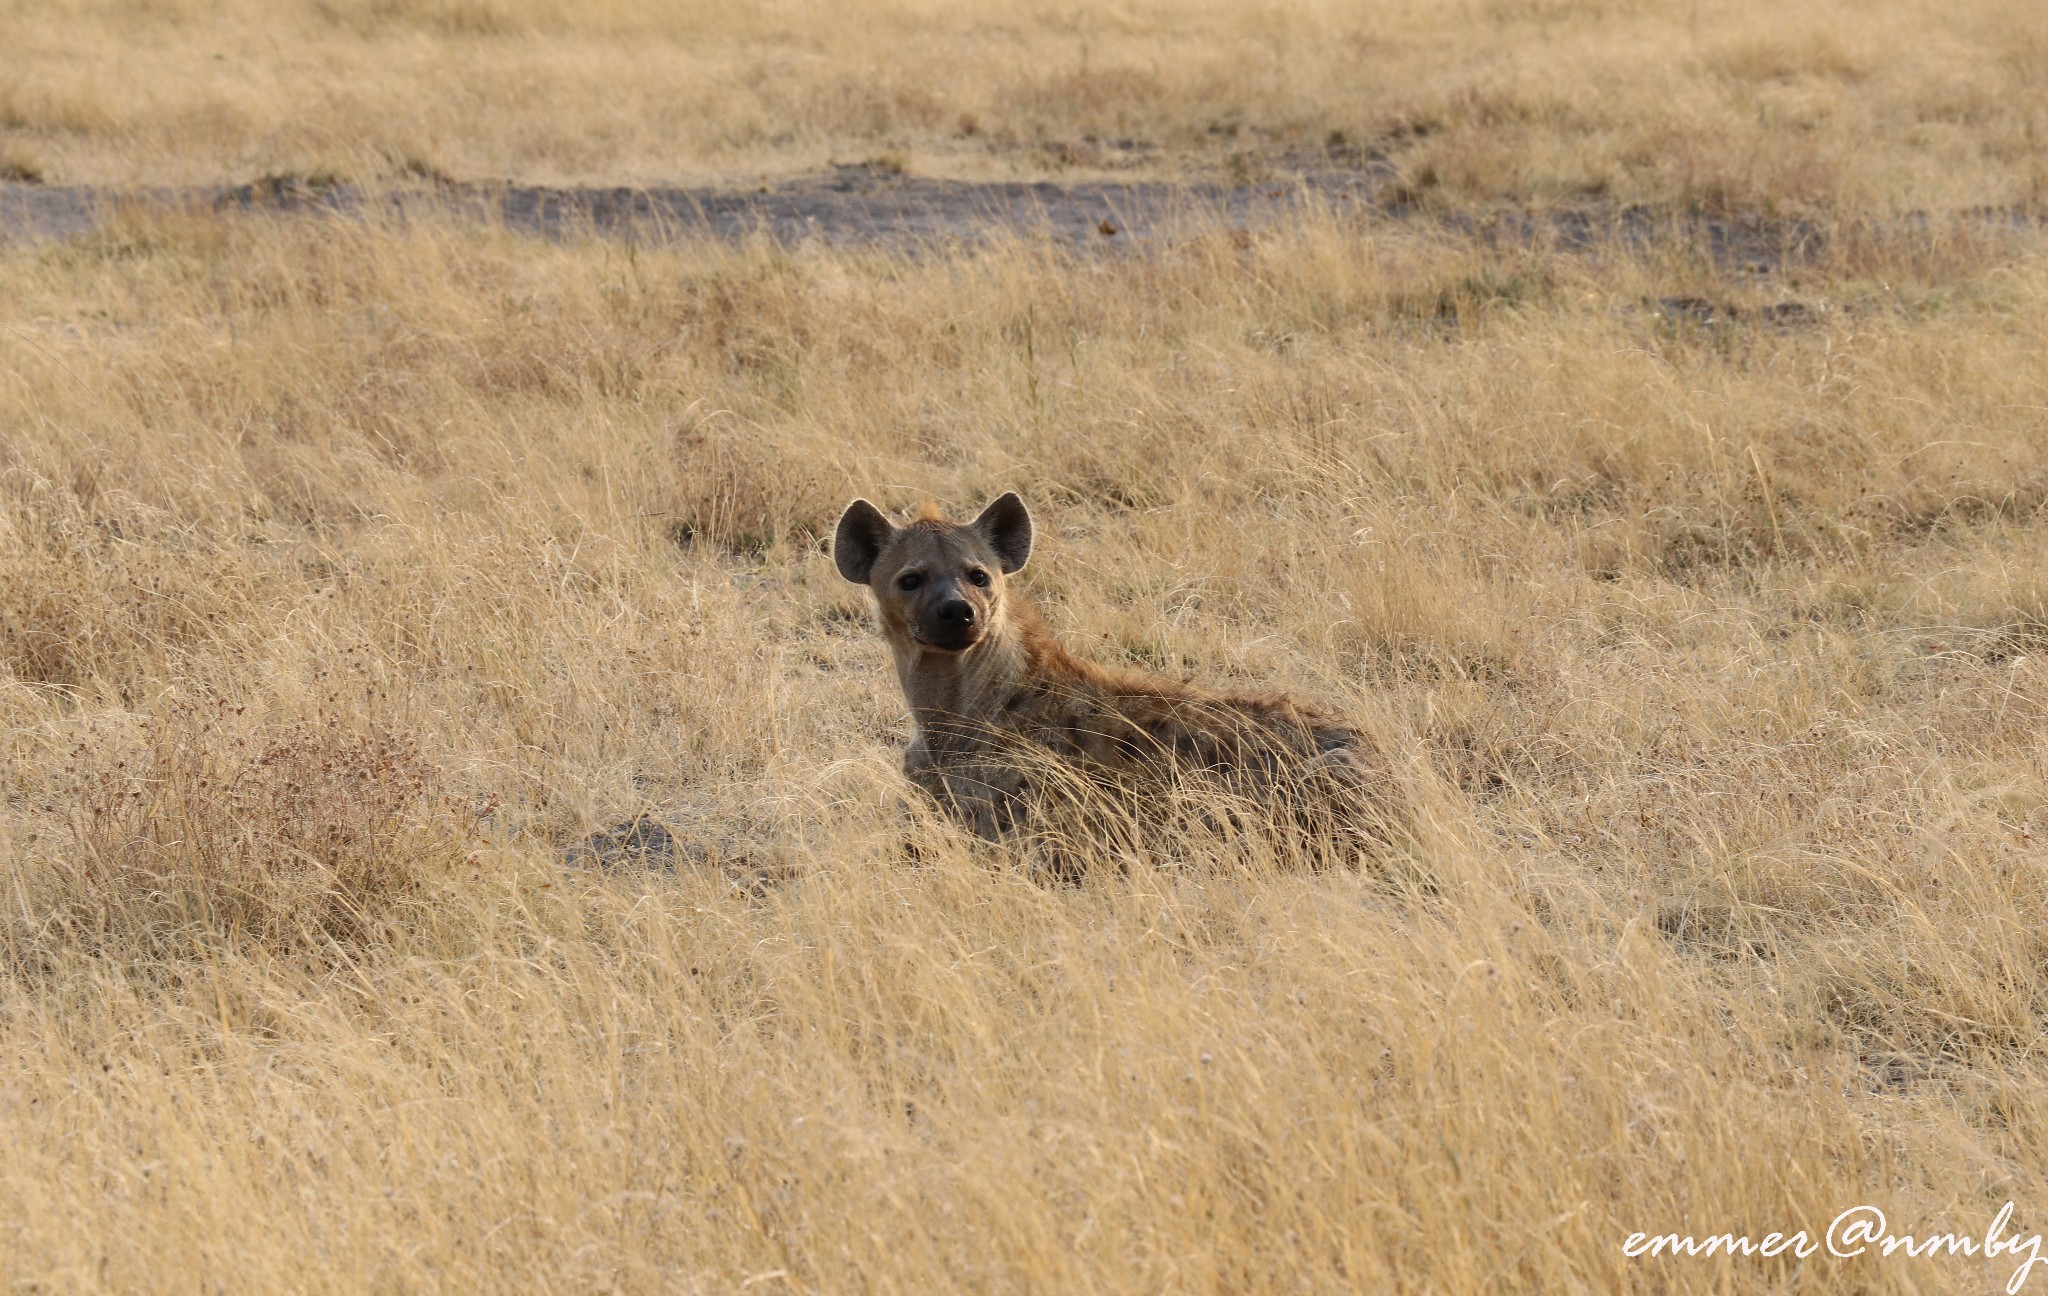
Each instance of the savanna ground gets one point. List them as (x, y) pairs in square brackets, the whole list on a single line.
[(351, 573)]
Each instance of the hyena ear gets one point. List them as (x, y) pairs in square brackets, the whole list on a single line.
[(863, 533), (1006, 525)]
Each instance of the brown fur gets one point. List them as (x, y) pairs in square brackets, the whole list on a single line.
[(1005, 714)]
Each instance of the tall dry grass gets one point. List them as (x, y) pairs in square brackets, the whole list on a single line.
[(350, 574), (1847, 106)]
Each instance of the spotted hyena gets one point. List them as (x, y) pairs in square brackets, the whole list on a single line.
[(1009, 721)]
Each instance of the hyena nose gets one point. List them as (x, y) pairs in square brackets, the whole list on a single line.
[(956, 612)]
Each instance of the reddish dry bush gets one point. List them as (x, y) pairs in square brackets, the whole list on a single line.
[(296, 835), (106, 598)]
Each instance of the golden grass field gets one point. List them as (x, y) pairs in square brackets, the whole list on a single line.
[(351, 572), (1746, 104)]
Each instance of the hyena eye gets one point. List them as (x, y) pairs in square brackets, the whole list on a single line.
[(978, 577), (909, 581)]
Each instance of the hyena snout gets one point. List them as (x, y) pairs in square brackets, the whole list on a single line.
[(955, 612), (952, 622)]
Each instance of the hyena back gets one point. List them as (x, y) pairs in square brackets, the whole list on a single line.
[(1007, 719)]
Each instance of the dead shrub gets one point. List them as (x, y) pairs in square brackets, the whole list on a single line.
[(295, 835), (744, 489), (108, 600)]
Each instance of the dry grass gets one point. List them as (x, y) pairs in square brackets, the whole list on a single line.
[(347, 574), (350, 574), (1853, 106)]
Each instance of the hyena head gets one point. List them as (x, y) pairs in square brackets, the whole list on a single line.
[(937, 584)]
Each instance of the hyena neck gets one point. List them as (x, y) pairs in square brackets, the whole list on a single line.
[(971, 688)]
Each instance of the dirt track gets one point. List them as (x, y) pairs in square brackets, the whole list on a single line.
[(859, 205), (848, 206)]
